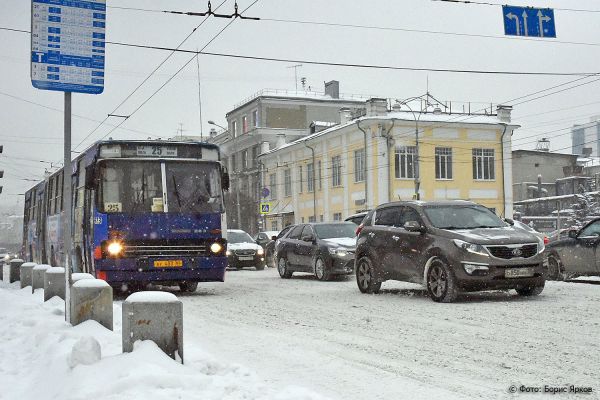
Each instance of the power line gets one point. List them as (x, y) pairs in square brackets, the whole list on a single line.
[(355, 65), (485, 3)]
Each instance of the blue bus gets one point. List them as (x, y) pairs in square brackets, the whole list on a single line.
[(143, 212)]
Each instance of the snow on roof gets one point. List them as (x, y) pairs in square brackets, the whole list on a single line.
[(151, 297), (402, 116), (564, 196), (324, 123)]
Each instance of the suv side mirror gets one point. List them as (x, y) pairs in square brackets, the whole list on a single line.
[(414, 226), (308, 238), (573, 234)]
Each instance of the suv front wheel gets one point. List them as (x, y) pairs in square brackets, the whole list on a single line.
[(365, 276), (441, 283)]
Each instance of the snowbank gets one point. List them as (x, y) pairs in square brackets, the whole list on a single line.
[(42, 357)]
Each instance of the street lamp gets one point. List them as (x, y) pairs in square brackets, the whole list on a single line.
[(215, 124), (416, 169)]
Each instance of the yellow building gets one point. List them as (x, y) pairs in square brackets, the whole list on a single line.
[(385, 156)]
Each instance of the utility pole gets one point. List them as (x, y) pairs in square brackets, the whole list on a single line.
[(199, 98), (295, 73)]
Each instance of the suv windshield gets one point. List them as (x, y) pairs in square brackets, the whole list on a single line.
[(238, 237), (462, 217), (137, 186), (330, 231)]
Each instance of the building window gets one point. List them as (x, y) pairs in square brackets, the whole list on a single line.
[(310, 177), (287, 182), (254, 159), (273, 225), (245, 124), (234, 128), (359, 165), (273, 185), (234, 162), (337, 216), (405, 161), (245, 159), (443, 163), (300, 181), (312, 218), (255, 118), (336, 171), (320, 176), (483, 164)]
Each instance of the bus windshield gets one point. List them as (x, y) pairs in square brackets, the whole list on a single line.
[(137, 186)]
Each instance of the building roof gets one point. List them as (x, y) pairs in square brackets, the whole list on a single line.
[(544, 152)]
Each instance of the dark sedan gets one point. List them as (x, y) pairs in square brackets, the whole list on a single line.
[(325, 249), (576, 255)]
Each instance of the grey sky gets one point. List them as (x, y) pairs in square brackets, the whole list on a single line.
[(34, 133)]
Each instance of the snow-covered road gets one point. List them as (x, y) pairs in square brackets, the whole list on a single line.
[(328, 337)]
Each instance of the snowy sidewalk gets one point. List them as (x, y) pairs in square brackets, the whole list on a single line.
[(42, 357)]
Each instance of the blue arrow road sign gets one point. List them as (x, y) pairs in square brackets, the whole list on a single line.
[(529, 21), (68, 45)]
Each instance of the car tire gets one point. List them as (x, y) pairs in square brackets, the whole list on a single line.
[(441, 283), (555, 268), (260, 267), (321, 270), (365, 277), (188, 287), (283, 269), (531, 291)]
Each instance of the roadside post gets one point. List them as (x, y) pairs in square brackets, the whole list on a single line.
[(68, 55)]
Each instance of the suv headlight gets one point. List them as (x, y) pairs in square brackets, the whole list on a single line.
[(471, 247), (260, 251), (338, 251)]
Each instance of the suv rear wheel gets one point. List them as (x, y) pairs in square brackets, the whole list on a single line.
[(441, 283), (365, 277)]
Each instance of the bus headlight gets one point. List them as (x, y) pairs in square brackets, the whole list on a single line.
[(216, 248), (114, 248)]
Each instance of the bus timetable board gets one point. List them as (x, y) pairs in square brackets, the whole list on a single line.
[(68, 45)]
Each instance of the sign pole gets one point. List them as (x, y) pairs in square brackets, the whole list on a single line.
[(67, 200)]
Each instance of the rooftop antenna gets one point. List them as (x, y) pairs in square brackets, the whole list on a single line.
[(296, 66)]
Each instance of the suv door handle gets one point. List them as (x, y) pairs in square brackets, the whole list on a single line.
[(396, 238)]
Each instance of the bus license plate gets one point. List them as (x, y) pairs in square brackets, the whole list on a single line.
[(168, 263), (518, 272)]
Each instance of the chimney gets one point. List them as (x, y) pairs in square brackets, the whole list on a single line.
[(345, 115), (264, 147), (332, 89), (504, 113), (280, 140), (376, 107)]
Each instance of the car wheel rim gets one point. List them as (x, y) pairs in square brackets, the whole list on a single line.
[(364, 275), (437, 281), (281, 266), (320, 269)]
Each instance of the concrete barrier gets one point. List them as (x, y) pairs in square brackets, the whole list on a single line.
[(156, 316), (37, 276), (54, 283), (26, 274), (91, 299), (12, 270)]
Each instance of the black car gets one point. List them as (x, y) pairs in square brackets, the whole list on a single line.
[(577, 254), (264, 237), (356, 218), (243, 252), (270, 247), (449, 247), (325, 249)]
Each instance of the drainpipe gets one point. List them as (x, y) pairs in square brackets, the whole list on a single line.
[(365, 169), (389, 157), (503, 170), (313, 181)]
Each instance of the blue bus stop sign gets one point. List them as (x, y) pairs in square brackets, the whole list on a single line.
[(68, 45), (265, 192), (528, 21)]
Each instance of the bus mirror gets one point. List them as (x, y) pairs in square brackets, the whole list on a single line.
[(90, 178), (225, 181)]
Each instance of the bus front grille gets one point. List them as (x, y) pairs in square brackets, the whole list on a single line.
[(136, 251)]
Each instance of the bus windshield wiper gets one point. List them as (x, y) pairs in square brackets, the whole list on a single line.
[(176, 191)]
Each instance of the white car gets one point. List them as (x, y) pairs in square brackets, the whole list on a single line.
[(242, 251)]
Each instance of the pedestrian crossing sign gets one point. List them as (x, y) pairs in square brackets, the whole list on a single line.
[(265, 208)]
